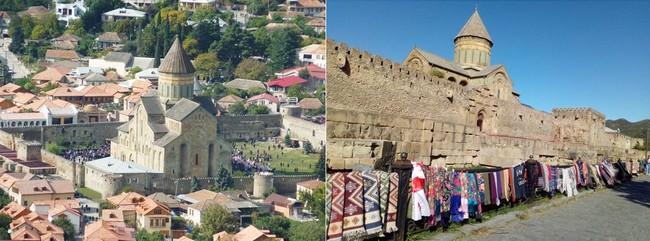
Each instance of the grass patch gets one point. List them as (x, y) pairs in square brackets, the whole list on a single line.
[(482, 231), (89, 193), (522, 216), (305, 164)]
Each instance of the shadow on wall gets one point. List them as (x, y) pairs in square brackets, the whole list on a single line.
[(636, 192)]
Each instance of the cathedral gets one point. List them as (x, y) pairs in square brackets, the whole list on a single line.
[(471, 66), (173, 131)]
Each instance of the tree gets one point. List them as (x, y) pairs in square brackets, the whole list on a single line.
[(17, 36), (196, 185), (215, 219), (287, 140), (279, 225), (156, 61), (255, 91), (76, 27), (258, 110), (4, 199), (237, 109), (204, 12), (179, 223), (256, 7), (5, 220), (207, 65), (257, 22), (133, 71), (206, 32), (92, 18), (296, 91), (253, 69), (235, 44), (307, 231), (282, 49), (166, 38), (86, 45), (223, 181), (189, 45), (66, 225), (262, 40), (38, 32), (308, 147), (304, 73), (320, 169), (143, 235), (49, 87)]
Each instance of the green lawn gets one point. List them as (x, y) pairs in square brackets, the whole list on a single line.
[(89, 193), (304, 163)]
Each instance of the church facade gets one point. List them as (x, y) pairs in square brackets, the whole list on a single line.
[(173, 131)]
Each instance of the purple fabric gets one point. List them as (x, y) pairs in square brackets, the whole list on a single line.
[(493, 189), (499, 184)]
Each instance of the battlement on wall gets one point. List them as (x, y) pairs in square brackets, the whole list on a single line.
[(579, 111), (356, 59)]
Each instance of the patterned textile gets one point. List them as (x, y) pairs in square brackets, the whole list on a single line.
[(552, 184), (372, 221), (391, 215), (431, 195), (328, 199), (480, 187), (335, 227), (384, 184), (445, 190), (353, 207), (456, 213), (464, 196)]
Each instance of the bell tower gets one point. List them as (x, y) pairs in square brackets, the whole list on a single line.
[(176, 75), (473, 45)]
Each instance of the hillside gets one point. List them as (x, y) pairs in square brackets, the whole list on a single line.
[(632, 129)]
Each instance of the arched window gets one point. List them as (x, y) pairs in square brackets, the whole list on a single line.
[(479, 120), (452, 79), (463, 82)]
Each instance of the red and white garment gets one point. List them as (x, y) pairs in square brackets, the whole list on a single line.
[(419, 199)]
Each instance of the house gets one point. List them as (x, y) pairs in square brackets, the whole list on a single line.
[(272, 27), (250, 233), (308, 187), (94, 95), (8, 179), (279, 87), (66, 41), (52, 55), (284, 206), (51, 75), (308, 104), (66, 11), (193, 4), (118, 92), (269, 101), (174, 205), (95, 79), (111, 226), (239, 206), (24, 98), (13, 88), (150, 74), (135, 176), (121, 62), (25, 192), (141, 3), (6, 104), (35, 11), (66, 94), (244, 84), (314, 53), (316, 75), (35, 228), (15, 211), (229, 100), (82, 71), (286, 16), (319, 24), (5, 19), (54, 209), (308, 7), (153, 217), (122, 14), (126, 202), (91, 114), (107, 40)]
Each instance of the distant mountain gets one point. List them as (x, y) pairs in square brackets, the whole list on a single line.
[(636, 129)]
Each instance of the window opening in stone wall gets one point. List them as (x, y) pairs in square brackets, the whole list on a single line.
[(479, 121), (196, 159)]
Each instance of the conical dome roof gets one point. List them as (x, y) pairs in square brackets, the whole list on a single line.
[(474, 27), (176, 61)]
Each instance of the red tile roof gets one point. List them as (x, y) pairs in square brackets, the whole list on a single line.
[(311, 184), (287, 81), (264, 96)]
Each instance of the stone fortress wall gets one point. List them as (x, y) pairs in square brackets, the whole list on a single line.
[(377, 108), (74, 133), (235, 128)]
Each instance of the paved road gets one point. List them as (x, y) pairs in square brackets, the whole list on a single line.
[(13, 63), (622, 213)]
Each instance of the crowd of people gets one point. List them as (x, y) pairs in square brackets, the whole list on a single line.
[(252, 161), (85, 154)]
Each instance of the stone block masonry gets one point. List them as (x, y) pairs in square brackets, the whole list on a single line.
[(374, 101)]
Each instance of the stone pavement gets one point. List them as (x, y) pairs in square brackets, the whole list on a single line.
[(621, 213), (12, 61)]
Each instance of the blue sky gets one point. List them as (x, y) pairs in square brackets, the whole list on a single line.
[(558, 54)]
